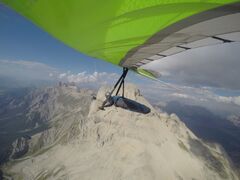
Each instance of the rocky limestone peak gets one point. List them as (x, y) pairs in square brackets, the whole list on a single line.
[(120, 144)]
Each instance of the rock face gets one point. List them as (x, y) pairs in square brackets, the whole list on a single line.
[(19, 147), (120, 144), (43, 115)]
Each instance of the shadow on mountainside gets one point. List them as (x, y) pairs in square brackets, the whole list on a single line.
[(209, 127)]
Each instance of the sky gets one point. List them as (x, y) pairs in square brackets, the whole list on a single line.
[(206, 76), (22, 40)]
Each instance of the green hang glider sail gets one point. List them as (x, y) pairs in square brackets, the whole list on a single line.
[(131, 33)]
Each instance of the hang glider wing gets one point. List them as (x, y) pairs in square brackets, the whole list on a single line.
[(132, 33)]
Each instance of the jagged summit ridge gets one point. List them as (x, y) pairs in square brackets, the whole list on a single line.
[(121, 144)]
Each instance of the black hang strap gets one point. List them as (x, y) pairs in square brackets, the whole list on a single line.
[(125, 71), (222, 39), (121, 81), (183, 47)]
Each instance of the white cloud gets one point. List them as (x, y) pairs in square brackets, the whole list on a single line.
[(84, 77), (228, 99), (237, 100), (207, 97), (27, 64), (31, 71), (214, 66), (27, 70), (62, 75), (180, 95)]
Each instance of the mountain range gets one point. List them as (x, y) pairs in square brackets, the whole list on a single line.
[(59, 133)]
